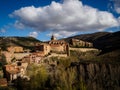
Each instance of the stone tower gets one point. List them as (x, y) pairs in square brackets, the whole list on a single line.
[(53, 37)]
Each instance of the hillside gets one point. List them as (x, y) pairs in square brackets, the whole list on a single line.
[(25, 42), (105, 41), (102, 40), (88, 37)]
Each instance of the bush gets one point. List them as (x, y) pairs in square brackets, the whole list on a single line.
[(38, 79)]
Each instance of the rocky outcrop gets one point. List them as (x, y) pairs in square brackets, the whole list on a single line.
[(98, 76)]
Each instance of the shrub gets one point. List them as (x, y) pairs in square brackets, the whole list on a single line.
[(38, 79)]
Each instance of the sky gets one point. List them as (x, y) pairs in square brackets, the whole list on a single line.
[(63, 18)]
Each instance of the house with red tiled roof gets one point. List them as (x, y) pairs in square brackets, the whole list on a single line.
[(3, 82), (35, 57), (11, 72)]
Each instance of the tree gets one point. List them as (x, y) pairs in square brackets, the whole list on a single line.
[(3, 60), (39, 78)]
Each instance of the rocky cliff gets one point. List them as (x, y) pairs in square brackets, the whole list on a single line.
[(98, 76)]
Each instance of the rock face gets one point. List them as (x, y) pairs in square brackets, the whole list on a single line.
[(99, 76)]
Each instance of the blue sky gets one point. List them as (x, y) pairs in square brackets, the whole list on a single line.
[(63, 18)]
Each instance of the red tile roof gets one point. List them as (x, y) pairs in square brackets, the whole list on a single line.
[(3, 82), (12, 69)]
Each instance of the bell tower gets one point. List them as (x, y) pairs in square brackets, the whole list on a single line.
[(53, 37)]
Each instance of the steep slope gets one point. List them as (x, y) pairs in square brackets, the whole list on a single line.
[(98, 76), (108, 42)]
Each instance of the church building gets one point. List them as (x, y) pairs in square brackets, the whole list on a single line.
[(53, 46)]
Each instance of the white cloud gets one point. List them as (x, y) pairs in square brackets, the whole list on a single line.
[(62, 34), (70, 16), (119, 20), (19, 25), (117, 6), (33, 34)]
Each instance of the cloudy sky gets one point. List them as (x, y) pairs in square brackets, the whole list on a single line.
[(63, 18)]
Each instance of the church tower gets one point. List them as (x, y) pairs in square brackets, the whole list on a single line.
[(53, 37)]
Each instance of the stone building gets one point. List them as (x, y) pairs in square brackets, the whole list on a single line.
[(58, 45), (54, 45), (3, 82), (81, 43), (16, 49), (12, 72), (7, 56), (53, 37), (42, 48), (36, 58)]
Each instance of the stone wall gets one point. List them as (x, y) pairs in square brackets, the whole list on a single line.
[(57, 48), (80, 43)]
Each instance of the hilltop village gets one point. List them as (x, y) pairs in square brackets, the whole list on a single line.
[(16, 59)]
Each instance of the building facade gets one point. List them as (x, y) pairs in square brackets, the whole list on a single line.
[(12, 72), (42, 48), (81, 43), (16, 49), (54, 45)]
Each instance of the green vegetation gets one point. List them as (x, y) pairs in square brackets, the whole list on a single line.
[(38, 79), (25, 42), (51, 77), (3, 60), (7, 88), (113, 56), (63, 73), (57, 72), (0, 66)]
